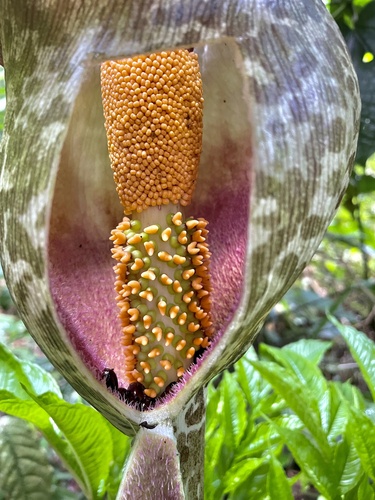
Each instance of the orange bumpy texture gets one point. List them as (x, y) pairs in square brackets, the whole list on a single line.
[(163, 288), (153, 117)]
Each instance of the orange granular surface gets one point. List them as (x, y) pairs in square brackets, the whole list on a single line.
[(153, 117)]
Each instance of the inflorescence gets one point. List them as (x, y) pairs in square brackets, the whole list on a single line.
[(153, 117)]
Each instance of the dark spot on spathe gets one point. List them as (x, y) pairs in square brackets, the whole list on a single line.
[(147, 425)]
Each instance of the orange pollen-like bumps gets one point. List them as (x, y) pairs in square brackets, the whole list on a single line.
[(153, 117)]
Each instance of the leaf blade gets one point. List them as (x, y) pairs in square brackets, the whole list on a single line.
[(277, 482), (25, 473), (299, 398), (362, 350)]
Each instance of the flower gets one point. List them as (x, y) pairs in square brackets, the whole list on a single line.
[(153, 114), (280, 124)]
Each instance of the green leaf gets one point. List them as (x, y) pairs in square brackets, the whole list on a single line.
[(252, 384), (255, 486), (272, 405), (31, 412), (306, 371), (87, 434), (214, 442), (215, 466), (15, 372), (258, 442), (334, 413), (264, 438), (347, 465), (351, 394), (311, 349), (121, 448), (240, 472), (366, 184), (15, 377), (277, 482), (258, 392), (301, 399), (213, 400), (87, 456), (363, 435), (361, 491), (362, 350), (25, 473), (366, 490), (233, 410), (311, 461)]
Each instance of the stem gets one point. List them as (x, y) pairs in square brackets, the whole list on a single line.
[(167, 462), (153, 468), (190, 434)]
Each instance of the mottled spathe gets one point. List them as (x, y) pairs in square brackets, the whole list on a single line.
[(280, 129)]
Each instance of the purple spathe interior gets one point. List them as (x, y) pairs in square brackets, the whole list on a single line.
[(86, 208)]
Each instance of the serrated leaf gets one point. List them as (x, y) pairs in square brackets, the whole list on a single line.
[(277, 482), (218, 456), (258, 442), (258, 392), (273, 405), (16, 376), (311, 349), (15, 372), (88, 435), (255, 486), (121, 447), (213, 475), (361, 491), (366, 490), (351, 394), (252, 384), (362, 432), (300, 398), (311, 461), (370, 412), (120, 444), (362, 350), (264, 438), (25, 473), (213, 399), (31, 412), (240, 472), (233, 410), (306, 371), (347, 465), (22, 378), (334, 413)]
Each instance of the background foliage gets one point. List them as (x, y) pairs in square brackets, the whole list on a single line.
[(295, 418)]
